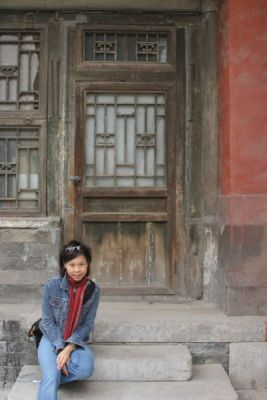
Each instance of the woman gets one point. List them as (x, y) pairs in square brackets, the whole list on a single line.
[(69, 308)]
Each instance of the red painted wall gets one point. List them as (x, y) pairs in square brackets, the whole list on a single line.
[(243, 96), (243, 155)]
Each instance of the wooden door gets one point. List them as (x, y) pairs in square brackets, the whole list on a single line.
[(125, 157)]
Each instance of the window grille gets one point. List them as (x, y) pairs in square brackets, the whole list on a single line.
[(19, 70), (126, 47), (125, 140), (19, 168)]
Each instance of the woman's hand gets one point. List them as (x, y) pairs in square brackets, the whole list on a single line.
[(63, 358)]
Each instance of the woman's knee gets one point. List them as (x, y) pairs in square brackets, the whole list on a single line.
[(83, 361)]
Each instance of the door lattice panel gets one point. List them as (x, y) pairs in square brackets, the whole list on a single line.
[(125, 140), (19, 168), (19, 71)]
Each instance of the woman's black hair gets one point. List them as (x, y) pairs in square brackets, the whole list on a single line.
[(72, 250)]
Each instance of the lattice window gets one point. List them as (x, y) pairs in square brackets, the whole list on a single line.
[(126, 47), (125, 140), (19, 70), (19, 168)]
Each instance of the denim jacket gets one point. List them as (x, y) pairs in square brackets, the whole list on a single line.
[(55, 310)]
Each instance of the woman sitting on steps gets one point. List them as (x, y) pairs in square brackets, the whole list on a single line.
[(69, 308)]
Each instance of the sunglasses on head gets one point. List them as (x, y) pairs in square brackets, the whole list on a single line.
[(71, 249)]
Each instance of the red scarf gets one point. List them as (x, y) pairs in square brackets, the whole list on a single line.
[(77, 290)]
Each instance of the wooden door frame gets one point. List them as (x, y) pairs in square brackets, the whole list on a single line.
[(169, 89)]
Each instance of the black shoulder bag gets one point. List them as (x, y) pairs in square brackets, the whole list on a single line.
[(36, 332)]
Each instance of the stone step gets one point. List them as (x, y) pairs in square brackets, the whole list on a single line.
[(135, 363), (198, 321), (260, 394), (248, 365), (142, 362), (210, 382), (122, 322)]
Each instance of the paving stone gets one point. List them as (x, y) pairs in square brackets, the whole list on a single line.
[(210, 382), (248, 365)]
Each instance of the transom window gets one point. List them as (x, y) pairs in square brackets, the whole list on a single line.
[(125, 140), (126, 47), (19, 70)]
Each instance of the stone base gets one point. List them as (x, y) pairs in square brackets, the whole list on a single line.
[(248, 365)]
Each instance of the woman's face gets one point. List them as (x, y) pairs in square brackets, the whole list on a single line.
[(77, 268)]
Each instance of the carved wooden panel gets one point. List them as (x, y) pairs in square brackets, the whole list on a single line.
[(125, 140)]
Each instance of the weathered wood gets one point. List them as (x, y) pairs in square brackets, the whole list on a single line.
[(145, 216), (120, 193), (188, 203), (209, 88), (116, 259), (180, 164), (130, 205), (139, 244), (191, 6)]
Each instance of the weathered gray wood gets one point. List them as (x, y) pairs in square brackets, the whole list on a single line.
[(193, 6)]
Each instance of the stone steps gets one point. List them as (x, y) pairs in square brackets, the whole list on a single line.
[(204, 329), (134, 363), (209, 382)]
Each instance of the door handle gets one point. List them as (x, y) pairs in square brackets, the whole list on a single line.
[(75, 179)]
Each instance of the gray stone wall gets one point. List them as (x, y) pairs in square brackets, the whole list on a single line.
[(29, 249), (15, 350)]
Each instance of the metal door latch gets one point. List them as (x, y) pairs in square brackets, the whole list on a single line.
[(75, 179)]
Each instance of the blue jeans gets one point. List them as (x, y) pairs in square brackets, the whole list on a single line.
[(81, 366)]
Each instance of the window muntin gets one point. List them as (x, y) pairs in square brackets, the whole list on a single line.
[(127, 47), (125, 140), (19, 70), (19, 168)]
